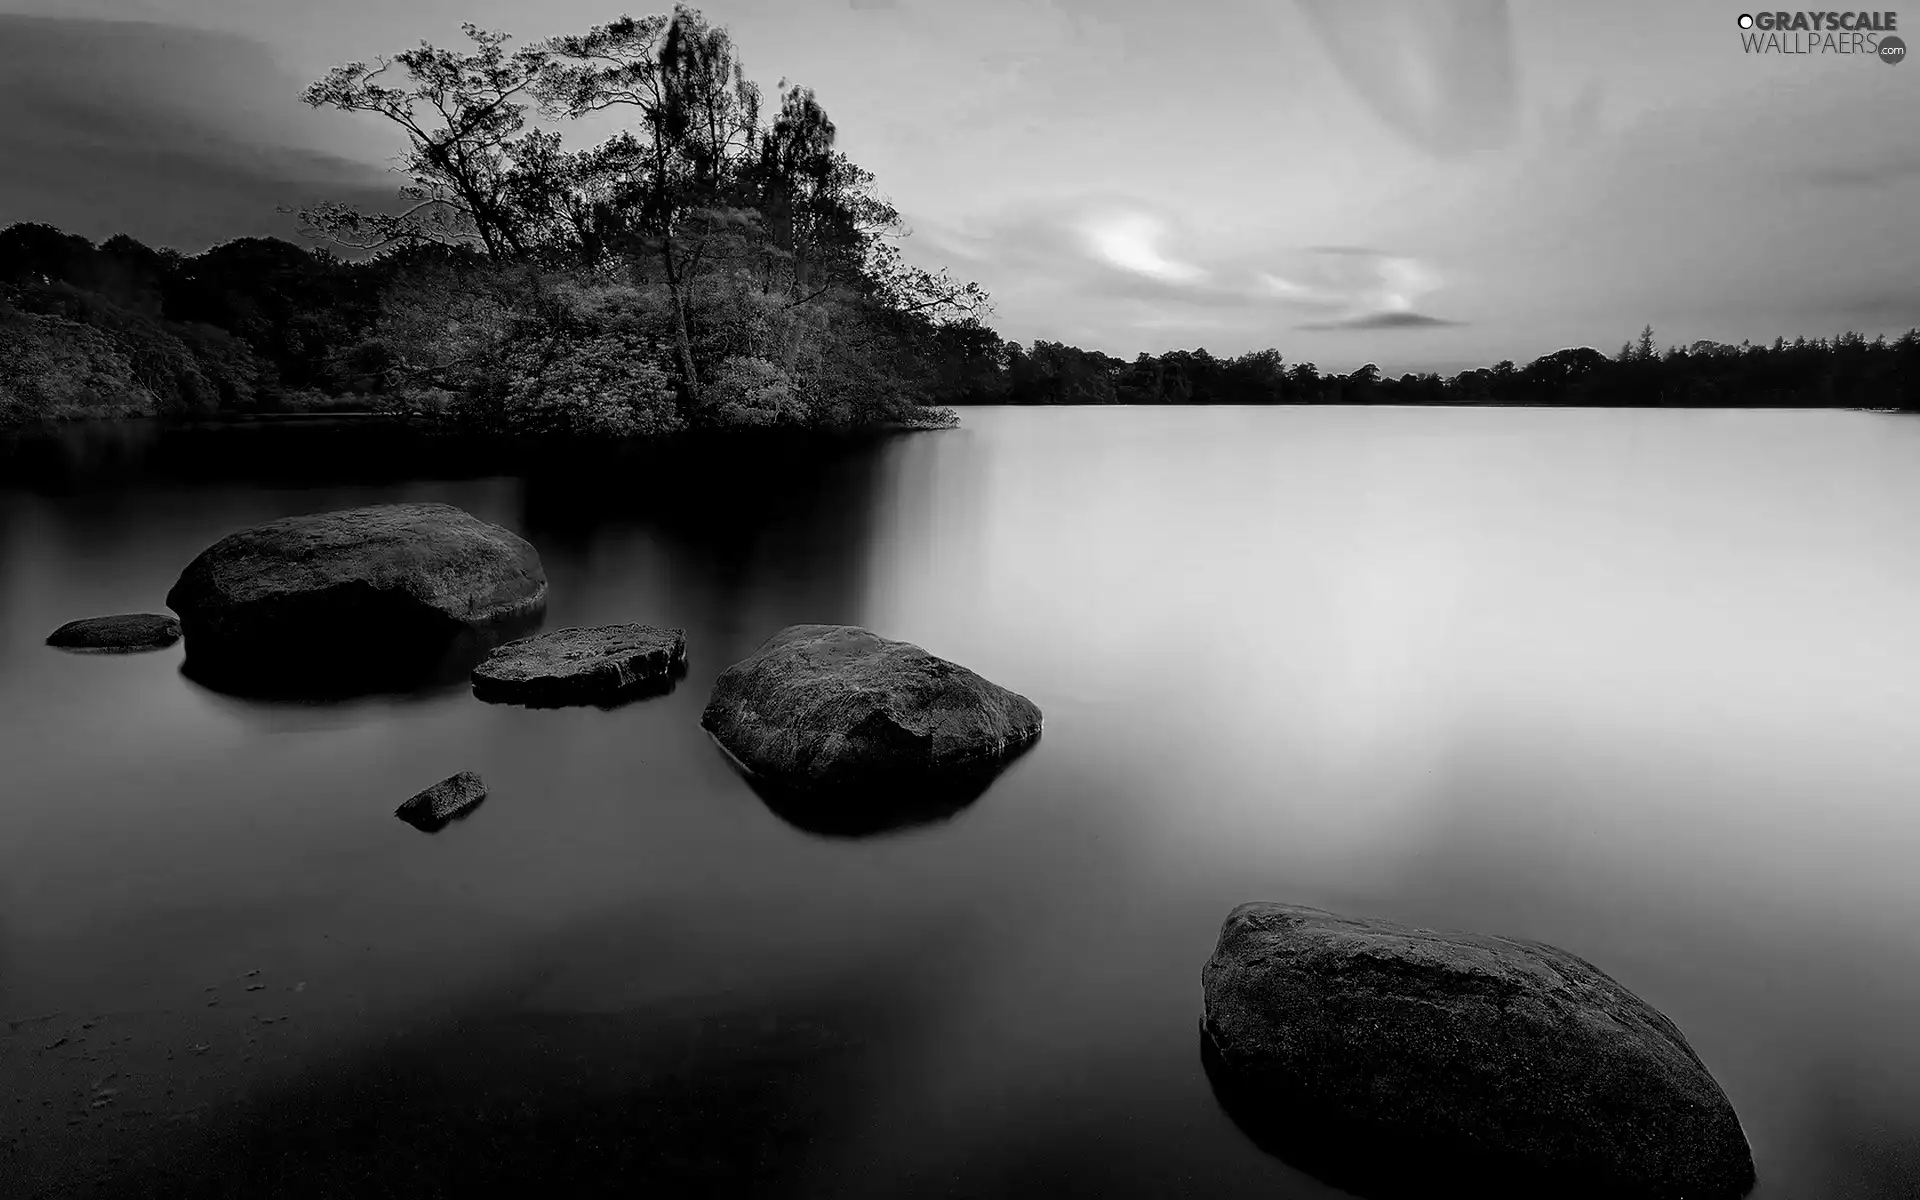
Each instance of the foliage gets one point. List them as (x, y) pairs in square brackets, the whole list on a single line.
[(1848, 371), (52, 368), (186, 368)]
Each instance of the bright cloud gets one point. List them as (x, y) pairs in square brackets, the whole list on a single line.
[(1131, 240)]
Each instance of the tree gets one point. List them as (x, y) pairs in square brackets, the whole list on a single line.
[(463, 115), (32, 252), (698, 116)]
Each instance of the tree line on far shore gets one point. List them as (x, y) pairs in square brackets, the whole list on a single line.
[(1847, 371), (715, 263)]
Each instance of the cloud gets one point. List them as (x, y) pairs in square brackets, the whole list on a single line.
[(174, 135), (1114, 264), (1440, 73), (1383, 320), (1577, 123), (1882, 309), (1895, 169), (1353, 282), (872, 5), (1132, 241)]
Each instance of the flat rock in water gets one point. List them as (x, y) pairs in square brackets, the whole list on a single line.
[(1484, 1065), (356, 585), (582, 666), (452, 797), (128, 631), (830, 707)]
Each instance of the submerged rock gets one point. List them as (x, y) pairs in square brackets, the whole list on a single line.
[(836, 712), (453, 797), (1396, 1060), (377, 588), (599, 664), (124, 632)]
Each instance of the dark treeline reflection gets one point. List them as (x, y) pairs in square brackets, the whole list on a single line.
[(741, 533)]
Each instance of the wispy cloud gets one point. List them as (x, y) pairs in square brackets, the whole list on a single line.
[(1878, 173), (1383, 320), (1894, 308), (1132, 241), (1354, 286), (1440, 73), (1123, 263)]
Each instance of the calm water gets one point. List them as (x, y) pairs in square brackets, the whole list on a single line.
[(1645, 685)]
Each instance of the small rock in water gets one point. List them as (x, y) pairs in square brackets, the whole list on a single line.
[(1396, 1061), (453, 797), (121, 633), (593, 665)]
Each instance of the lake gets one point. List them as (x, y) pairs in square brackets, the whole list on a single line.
[(1645, 685)]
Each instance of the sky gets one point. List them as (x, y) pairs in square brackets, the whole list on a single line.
[(1420, 184)]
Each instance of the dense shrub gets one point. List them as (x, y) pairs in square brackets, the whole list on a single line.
[(53, 368)]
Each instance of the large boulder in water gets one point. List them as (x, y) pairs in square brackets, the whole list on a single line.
[(1397, 1061), (122, 633), (837, 712), (390, 586), (602, 664)]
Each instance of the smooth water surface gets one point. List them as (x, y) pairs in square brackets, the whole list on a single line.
[(1644, 685)]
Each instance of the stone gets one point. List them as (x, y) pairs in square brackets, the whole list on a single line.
[(372, 587), (451, 798), (595, 665), (821, 709), (1458, 1063), (121, 633)]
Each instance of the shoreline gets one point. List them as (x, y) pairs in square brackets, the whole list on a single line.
[(426, 423)]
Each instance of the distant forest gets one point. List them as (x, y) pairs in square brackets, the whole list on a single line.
[(1847, 371), (712, 264)]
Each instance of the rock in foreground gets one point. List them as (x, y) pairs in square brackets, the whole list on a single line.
[(1482, 1065), (125, 632), (378, 587), (838, 709), (595, 665), (452, 797)]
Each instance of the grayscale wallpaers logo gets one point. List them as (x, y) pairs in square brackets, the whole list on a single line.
[(1869, 34)]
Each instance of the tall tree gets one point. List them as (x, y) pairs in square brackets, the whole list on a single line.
[(699, 117), (463, 115)]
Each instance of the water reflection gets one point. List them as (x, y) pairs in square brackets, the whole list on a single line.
[(1638, 684), (1364, 1161), (420, 664), (894, 806)]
